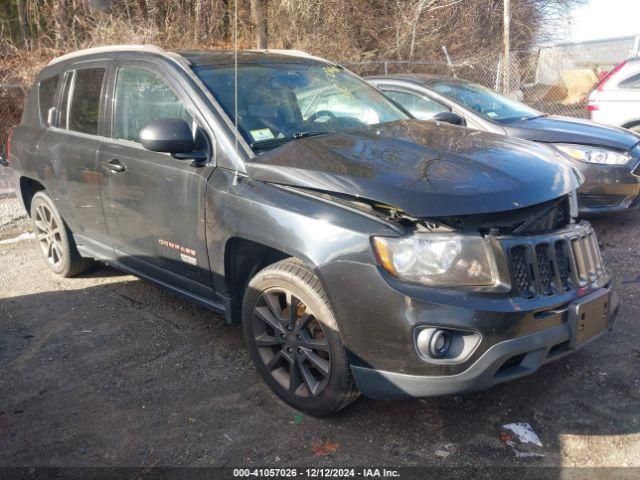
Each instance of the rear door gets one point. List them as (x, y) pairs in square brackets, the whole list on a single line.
[(627, 104), (617, 98), (68, 150), (155, 204)]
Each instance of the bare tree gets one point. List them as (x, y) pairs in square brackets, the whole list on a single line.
[(60, 12), (506, 49), (197, 12), (421, 6), (23, 19), (259, 19), (142, 5)]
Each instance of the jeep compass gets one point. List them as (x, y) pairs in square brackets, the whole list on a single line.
[(363, 251)]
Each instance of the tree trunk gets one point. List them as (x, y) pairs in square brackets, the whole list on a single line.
[(420, 7), (259, 18), (60, 8), (506, 45), (25, 32), (142, 6), (152, 10), (197, 11)]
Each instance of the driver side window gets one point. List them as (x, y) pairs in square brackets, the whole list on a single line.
[(420, 107), (140, 98), (341, 104)]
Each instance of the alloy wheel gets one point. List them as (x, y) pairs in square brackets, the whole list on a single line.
[(291, 343), (49, 235)]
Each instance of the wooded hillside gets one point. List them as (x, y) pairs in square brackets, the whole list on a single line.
[(33, 31)]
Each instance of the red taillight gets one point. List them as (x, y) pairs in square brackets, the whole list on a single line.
[(608, 76), (592, 106)]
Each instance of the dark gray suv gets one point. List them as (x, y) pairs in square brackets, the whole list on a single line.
[(363, 251)]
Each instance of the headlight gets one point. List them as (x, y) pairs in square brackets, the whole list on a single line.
[(438, 259), (588, 154)]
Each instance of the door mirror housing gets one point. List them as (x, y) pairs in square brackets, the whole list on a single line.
[(449, 117), (167, 135)]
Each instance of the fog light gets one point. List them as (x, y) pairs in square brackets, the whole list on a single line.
[(439, 343), (434, 342), (444, 345)]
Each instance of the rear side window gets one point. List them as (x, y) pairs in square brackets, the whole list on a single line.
[(140, 98), (82, 97), (631, 82), (46, 95)]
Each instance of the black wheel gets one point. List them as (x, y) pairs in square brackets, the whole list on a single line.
[(54, 238), (294, 341)]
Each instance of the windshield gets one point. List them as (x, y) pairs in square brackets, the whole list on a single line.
[(283, 101), (486, 102)]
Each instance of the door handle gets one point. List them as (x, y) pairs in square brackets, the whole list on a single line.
[(114, 165)]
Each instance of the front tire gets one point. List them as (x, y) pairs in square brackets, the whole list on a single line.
[(294, 341), (54, 238)]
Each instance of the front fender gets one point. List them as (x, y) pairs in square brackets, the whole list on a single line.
[(314, 231)]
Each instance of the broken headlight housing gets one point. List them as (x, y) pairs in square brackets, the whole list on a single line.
[(439, 259)]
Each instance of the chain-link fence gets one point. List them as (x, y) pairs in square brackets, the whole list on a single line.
[(516, 80), (555, 79)]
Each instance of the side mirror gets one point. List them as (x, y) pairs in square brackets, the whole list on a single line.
[(167, 135), (449, 117)]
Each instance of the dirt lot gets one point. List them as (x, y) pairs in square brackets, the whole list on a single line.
[(106, 369)]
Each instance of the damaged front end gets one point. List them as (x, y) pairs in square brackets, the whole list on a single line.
[(539, 250), (536, 250)]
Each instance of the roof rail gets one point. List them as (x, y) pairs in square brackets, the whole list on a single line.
[(110, 48)]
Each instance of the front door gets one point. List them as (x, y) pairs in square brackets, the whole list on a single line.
[(154, 204)]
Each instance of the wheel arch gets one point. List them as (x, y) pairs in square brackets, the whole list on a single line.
[(243, 258), (28, 187)]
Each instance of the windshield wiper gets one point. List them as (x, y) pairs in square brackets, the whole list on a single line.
[(275, 142), (533, 117)]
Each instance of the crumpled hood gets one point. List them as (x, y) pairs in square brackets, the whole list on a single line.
[(572, 130), (424, 168)]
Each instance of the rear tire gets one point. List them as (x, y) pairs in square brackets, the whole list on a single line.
[(294, 341), (54, 238)]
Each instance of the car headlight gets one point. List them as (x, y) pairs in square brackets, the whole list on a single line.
[(588, 154), (438, 259)]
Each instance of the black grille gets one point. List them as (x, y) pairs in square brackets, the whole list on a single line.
[(563, 265), (547, 266), (521, 274), (545, 269)]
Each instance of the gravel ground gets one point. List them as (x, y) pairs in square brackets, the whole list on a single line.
[(109, 370), (13, 219)]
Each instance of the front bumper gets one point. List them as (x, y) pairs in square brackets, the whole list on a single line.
[(378, 319), (609, 188), (502, 362)]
